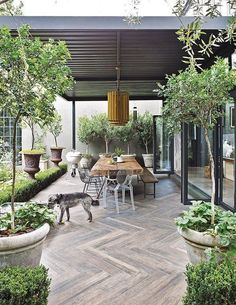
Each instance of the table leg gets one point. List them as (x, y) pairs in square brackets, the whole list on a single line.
[(104, 193)]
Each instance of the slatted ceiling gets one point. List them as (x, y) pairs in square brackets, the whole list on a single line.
[(147, 52)]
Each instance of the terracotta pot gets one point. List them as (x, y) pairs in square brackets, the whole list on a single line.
[(197, 242), (24, 249), (31, 164), (56, 155)]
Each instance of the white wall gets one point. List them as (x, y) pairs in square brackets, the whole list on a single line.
[(85, 108)]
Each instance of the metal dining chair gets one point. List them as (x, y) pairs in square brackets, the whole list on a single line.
[(91, 184)]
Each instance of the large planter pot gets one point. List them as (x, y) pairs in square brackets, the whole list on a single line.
[(24, 249), (197, 242), (56, 153), (148, 160), (73, 157), (31, 164), (86, 162)]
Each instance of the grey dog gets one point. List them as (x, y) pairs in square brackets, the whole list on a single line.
[(67, 201)]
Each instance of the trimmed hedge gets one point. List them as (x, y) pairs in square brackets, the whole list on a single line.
[(24, 286), (26, 189), (211, 283)]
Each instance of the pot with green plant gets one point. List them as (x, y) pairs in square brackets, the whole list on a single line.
[(23, 244), (118, 154), (86, 161), (144, 128), (28, 88), (197, 97), (126, 134), (54, 126)]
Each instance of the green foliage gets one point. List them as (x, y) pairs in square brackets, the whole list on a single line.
[(87, 156), (54, 126), (8, 8), (198, 218), (125, 134), (211, 283), (5, 172), (196, 97), (24, 286), (30, 216), (26, 189), (86, 130), (118, 151), (32, 151), (144, 128)]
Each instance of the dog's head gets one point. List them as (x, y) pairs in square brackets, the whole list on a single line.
[(53, 199)]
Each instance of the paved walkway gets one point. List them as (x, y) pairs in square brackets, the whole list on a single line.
[(131, 258)]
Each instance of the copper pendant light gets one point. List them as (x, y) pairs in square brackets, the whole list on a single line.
[(118, 101)]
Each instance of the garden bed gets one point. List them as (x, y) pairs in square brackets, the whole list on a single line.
[(26, 188)]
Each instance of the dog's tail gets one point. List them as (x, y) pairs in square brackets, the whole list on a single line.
[(95, 202)]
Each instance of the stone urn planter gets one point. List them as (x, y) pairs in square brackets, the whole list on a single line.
[(197, 242), (24, 249), (148, 160), (31, 160), (86, 161), (56, 153)]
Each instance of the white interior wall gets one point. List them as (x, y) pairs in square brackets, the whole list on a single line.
[(86, 108)]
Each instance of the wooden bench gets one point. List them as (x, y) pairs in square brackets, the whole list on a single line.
[(148, 177)]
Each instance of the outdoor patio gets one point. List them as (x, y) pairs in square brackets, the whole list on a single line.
[(135, 257)]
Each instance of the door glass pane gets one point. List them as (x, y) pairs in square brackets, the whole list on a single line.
[(228, 155), (163, 150), (199, 175)]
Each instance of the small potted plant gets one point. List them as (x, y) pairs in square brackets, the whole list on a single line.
[(118, 152), (86, 160), (31, 156), (55, 128)]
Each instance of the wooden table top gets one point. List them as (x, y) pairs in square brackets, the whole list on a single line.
[(103, 166)]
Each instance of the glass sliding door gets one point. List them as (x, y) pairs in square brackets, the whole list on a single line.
[(163, 147)]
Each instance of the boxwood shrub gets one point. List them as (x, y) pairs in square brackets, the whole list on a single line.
[(26, 189), (211, 283), (24, 286)]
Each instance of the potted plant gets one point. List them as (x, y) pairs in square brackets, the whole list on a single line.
[(126, 135), (28, 87), (86, 131), (118, 153), (39, 145), (86, 160), (31, 156), (144, 127), (23, 244), (54, 126), (197, 97), (103, 130)]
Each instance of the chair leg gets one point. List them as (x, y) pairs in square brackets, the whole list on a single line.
[(116, 200), (84, 188), (104, 193), (123, 195), (132, 196)]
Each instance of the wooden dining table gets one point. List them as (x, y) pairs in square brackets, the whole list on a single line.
[(104, 166)]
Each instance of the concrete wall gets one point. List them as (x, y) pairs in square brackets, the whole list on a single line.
[(87, 108)]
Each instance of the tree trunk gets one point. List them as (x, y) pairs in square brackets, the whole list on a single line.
[(146, 147), (55, 139), (128, 148), (212, 166), (13, 174), (107, 146), (33, 138)]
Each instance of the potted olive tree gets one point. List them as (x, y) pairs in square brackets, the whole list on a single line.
[(86, 134), (28, 88), (197, 98), (126, 134), (55, 128), (31, 156), (144, 127), (104, 130)]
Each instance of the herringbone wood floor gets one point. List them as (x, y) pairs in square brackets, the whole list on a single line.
[(134, 258)]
